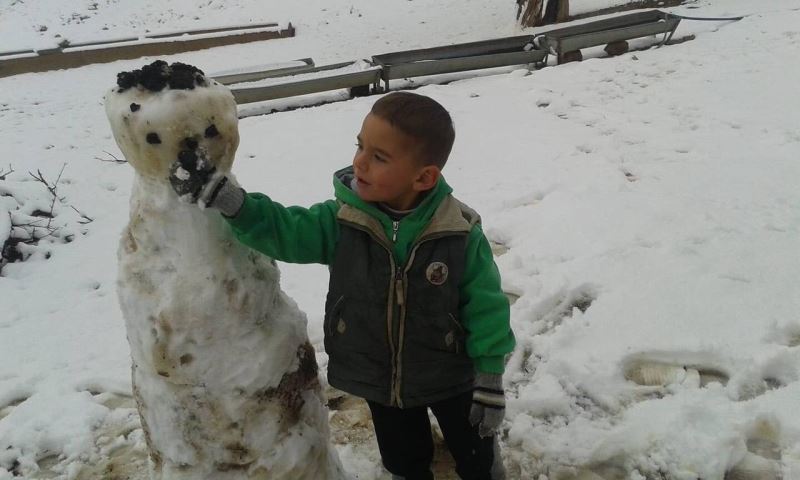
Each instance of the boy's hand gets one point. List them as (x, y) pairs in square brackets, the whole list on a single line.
[(488, 404), (196, 180)]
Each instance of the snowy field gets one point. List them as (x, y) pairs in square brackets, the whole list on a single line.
[(645, 210)]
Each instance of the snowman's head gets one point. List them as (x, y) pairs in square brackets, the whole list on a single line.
[(163, 109)]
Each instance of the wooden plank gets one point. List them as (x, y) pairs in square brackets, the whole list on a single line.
[(56, 59), (212, 30)]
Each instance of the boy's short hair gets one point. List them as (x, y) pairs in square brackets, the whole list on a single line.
[(422, 118)]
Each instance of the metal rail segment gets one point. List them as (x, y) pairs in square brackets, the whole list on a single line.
[(253, 76), (483, 47), (303, 87), (601, 32), (460, 64), (458, 58)]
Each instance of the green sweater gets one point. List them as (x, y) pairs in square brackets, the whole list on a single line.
[(310, 235)]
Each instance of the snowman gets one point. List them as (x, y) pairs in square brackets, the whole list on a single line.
[(224, 377)]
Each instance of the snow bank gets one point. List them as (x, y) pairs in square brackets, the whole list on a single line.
[(647, 203)]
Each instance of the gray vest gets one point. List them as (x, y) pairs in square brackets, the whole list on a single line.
[(392, 332)]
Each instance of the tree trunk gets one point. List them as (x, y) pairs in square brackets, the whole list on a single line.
[(563, 10), (531, 13)]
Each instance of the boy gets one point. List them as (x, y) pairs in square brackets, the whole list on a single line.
[(414, 316)]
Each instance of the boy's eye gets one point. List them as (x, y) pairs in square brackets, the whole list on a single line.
[(379, 158)]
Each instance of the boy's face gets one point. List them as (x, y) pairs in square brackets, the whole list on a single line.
[(387, 167)]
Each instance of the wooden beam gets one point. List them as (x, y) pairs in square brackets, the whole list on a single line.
[(66, 58)]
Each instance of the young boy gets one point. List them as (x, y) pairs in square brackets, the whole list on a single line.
[(414, 316)]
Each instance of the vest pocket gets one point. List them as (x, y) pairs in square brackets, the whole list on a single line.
[(437, 335), (459, 335), (332, 315)]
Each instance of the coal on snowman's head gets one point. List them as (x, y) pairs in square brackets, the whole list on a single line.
[(161, 110)]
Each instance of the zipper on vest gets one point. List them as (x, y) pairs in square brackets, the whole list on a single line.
[(398, 287), (399, 301), (395, 228), (394, 394), (400, 276)]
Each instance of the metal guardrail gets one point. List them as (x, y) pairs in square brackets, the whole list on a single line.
[(601, 32), (458, 58), (482, 47), (253, 76), (461, 64), (507, 51), (412, 63), (354, 80)]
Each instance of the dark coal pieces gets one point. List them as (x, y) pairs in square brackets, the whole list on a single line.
[(157, 75), (211, 131)]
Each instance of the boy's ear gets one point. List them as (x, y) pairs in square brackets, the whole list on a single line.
[(427, 178)]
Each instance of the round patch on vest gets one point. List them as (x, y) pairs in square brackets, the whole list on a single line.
[(436, 273)]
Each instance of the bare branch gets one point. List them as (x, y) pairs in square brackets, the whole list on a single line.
[(4, 174), (113, 158), (33, 228), (86, 218), (53, 189)]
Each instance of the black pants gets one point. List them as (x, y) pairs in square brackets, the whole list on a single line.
[(406, 444)]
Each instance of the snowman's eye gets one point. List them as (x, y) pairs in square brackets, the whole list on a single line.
[(211, 131)]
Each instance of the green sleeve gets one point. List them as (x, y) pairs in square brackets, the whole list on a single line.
[(484, 309), (288, 234)]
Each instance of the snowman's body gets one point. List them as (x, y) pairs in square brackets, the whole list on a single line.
[(223, 374)]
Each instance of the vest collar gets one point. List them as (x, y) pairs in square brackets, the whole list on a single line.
[(451, 216)]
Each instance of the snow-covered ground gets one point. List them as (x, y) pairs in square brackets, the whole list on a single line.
[(645, 209)]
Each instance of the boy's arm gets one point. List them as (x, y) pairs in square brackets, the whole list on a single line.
[(484, 309), (294, 234), (288, 234)]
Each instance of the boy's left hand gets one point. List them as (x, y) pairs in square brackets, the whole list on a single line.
[(488, 403)]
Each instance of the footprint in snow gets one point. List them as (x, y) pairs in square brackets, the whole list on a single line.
[(787, 335), (5, 410), (552, 311), (548, 315), (762, 461), (652, 371)]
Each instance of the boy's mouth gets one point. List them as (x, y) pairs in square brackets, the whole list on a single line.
[(361, 181)]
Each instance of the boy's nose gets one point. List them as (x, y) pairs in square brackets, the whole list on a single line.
[(359, 161)]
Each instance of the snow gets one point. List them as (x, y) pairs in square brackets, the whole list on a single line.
[(648, 204), (196, 303)]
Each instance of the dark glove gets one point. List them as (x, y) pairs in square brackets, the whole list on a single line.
[(196, 180), (488, 404)]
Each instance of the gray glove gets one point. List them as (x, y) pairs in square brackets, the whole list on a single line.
[(488, 404), (196, 180)]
